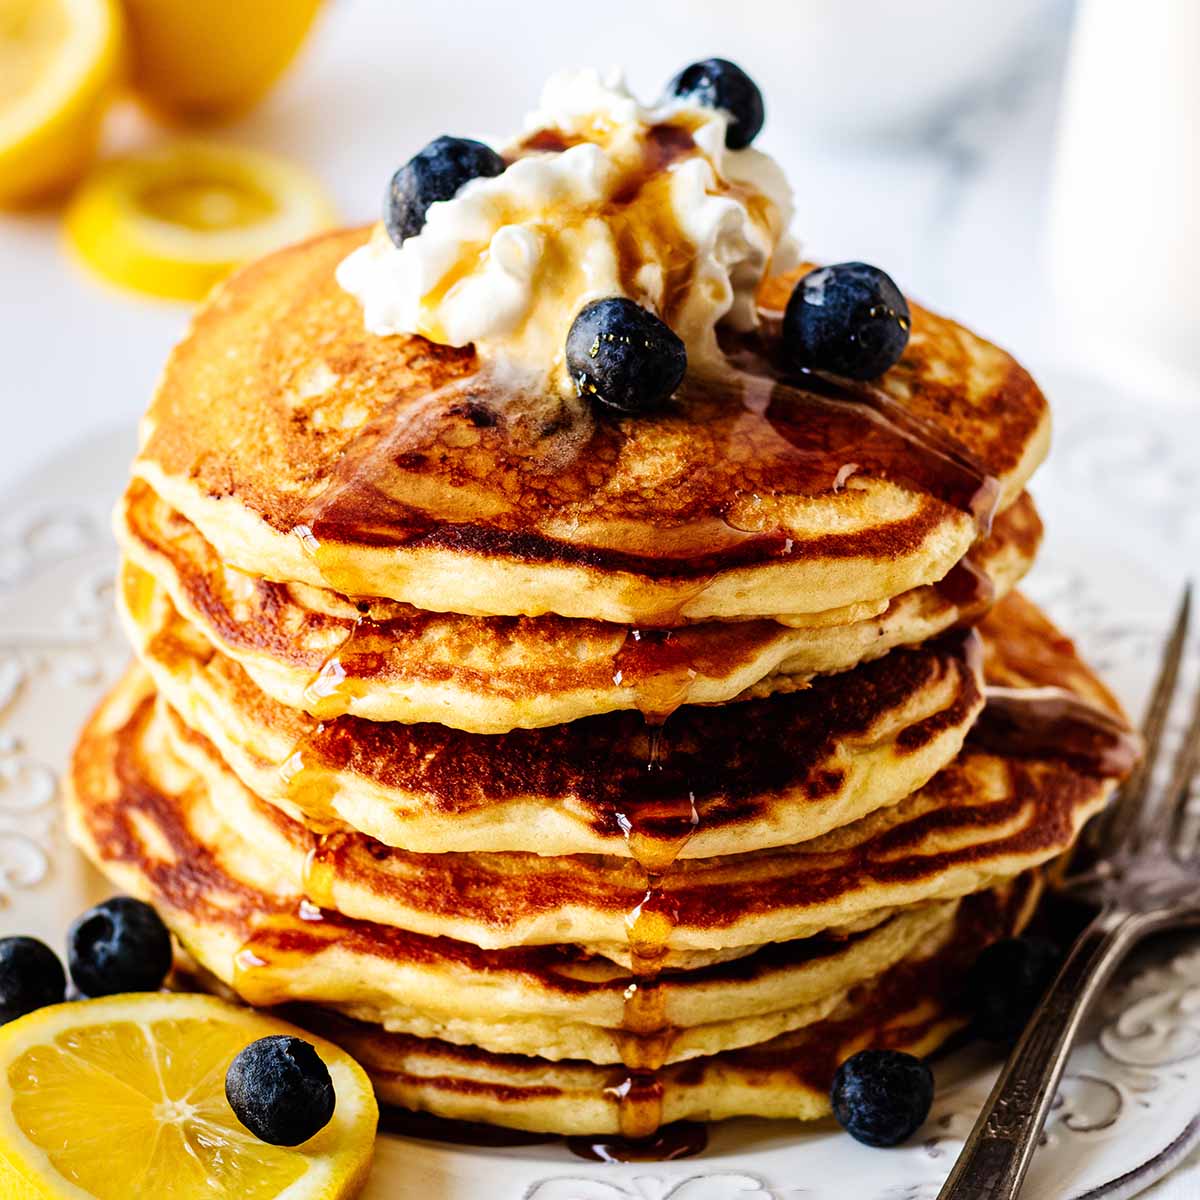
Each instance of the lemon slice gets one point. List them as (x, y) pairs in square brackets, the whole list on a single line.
[(59, 64), (174, 221), (124, 1098)]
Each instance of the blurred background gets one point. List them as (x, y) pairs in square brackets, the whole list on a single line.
[(1028, 166)]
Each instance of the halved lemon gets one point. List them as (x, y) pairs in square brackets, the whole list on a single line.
[(173, 221), (60, 62), (216, 57), (124, 1098)]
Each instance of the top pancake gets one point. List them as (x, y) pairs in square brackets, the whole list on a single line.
[(306, 449)]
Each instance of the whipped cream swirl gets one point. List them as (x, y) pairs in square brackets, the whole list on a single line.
[(602, 197)]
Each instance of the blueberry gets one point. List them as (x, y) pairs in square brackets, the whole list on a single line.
[(1006, 983), (849, 319), (718, 83), (433, 174), (881, 1097), (119, 946), (624, 356), (280, 1090), (30, 977)]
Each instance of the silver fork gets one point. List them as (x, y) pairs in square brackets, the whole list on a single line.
[(1142, 874)]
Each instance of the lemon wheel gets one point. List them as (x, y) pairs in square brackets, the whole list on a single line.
[(172, 222), (124, 1098), (60, 63)]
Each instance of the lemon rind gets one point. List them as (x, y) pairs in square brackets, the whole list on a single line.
[(26, 1172)]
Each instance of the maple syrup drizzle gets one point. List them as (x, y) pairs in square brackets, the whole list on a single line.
[(282, 944), (321, 869), (345, 671), (657, 826), (306, 786), (681, 1139), (343, 676), (514, 458), (1053, 723)]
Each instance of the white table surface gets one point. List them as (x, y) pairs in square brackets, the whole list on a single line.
[(953, 204)]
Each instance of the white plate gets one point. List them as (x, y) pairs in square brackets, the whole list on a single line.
[(1122, 527)]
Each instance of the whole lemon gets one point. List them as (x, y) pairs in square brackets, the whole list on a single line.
[(207, 59)]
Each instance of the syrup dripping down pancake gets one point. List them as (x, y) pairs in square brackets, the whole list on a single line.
[(758, 773), (395, 467), (316, 650)]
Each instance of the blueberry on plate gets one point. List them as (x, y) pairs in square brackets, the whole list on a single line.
[(849, 319), (31, 976), (881, 1097), (718, 83), (279, 1088), (120, 945), (433, 174), (1006, 983), (624, 356)]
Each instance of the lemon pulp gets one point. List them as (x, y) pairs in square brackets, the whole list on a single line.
[(125, 1098)]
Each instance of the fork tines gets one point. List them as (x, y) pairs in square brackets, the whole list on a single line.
[(1185, 825), (1130, 819)]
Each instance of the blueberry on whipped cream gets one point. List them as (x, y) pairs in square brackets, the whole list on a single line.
[(849, 319), (624, 356), (718, 83), (602, 198), (433, 174)]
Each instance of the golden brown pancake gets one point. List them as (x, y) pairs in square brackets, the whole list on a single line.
[(313, 649), (733, 777), (307, 449)]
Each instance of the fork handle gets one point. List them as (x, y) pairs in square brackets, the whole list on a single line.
[(994, 1161)]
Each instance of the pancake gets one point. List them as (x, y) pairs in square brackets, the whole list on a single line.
[(982, 819), (228, 894), (307, 449), (732, 778), (910, 1007), (316, 650)]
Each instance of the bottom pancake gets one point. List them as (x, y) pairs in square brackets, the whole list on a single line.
[(911, 1007)]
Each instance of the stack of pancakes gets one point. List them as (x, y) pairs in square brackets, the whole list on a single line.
[(582, 774)]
